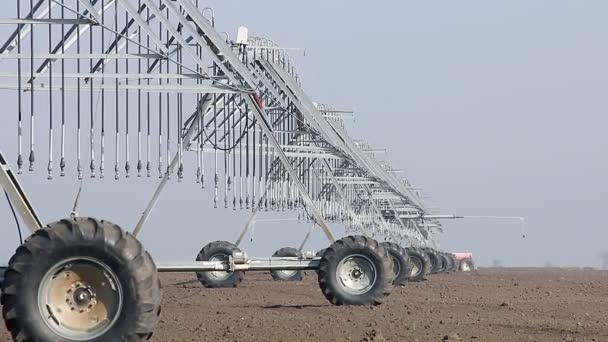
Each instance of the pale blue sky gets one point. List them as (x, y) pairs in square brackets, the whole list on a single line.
[(495, 108)]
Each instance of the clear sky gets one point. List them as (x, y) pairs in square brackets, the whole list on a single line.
[(495, 108)]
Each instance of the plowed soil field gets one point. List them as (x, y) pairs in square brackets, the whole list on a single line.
[(507, 304)]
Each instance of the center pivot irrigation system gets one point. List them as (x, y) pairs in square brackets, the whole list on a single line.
[(154, 82)]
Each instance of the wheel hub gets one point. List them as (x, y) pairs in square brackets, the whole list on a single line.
[(80, 298), (356, 274), (220, 275), (416, 266), (288, 273)]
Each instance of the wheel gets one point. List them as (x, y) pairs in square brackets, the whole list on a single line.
[(287, 275), (2, 270), (81, 280), (320, 254), (419, 264), (355, 270), (401, 264), (428, 260), (467, 265), (445, 263), (453, 262), (450, 263), (438, 265), (434, 261), (218, 251)]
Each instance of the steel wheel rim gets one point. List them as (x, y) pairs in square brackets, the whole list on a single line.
[(287, 273), (219, 275), (80, 298), (465, 266), (416, 266), (356, 274)]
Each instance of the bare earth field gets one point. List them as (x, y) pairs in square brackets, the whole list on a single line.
[(486, 305)]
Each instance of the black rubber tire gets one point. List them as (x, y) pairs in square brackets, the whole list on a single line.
[(449, 262), (470, 262), (281, 276), (418, 255), (439, 262), (453, 262), (2, 270), (355, 245), (217, 248), (434, 260), (102, 241), (445, 263), (400, 256), (456, 263), (428, 261), (320, 254)]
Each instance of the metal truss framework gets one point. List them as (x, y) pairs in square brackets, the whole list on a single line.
[(153, 79)]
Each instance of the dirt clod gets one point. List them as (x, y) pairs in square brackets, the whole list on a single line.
[(452, 337), (374, 335)]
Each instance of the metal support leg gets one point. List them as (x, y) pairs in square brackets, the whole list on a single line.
[(306, 238), (247, 227), (17, 195)]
